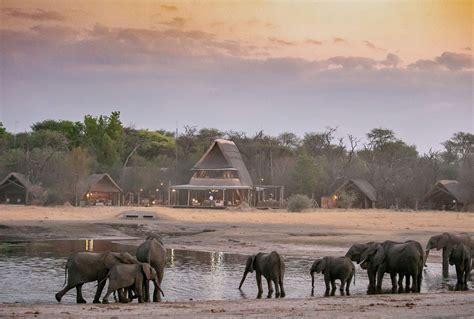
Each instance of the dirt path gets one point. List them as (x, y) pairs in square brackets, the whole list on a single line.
[(316, 233)]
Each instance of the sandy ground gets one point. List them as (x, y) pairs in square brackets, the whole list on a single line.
[(313, 233)]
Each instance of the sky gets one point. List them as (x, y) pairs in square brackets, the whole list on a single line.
[(277, 66)]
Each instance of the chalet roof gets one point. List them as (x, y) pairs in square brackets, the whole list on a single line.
[(222, 155), (22, 181), (98, 183), (363, 185), (451, 187)]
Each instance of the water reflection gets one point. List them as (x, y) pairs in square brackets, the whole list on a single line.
[(34, 272)]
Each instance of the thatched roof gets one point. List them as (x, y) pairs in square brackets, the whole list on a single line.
[(363, 185), (22, 181), (222, 155), (451, 187), (98, 183)]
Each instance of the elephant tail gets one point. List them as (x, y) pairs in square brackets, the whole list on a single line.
[(354, 275), (282, 267)]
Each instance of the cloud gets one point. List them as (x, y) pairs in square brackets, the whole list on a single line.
[(455, 61), (338, 40), (38, 14), (447, 60), (392, 60), (176, 22), (373, 46), (313, 41), (282, 42), (169, 7), (351, 62)]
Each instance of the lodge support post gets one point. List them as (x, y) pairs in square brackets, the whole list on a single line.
[(189, 196)]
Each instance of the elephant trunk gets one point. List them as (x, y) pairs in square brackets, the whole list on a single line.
[(312, 279), (243, 279), (427, 252)]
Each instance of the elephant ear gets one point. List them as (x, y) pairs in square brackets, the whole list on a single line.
[(250, 264), (147, 271), (379, 255), (442, 241), (321, 266), (126, 258)]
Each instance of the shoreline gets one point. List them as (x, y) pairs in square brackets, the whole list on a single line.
[(311, 234)]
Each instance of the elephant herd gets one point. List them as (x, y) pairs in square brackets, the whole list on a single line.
[(129, 276)]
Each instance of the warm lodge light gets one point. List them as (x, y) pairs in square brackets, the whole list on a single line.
[(173, 190), (88, 195), (334, 197)]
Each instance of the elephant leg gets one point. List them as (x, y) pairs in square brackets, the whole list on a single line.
[(371, 287), (270, 288), (156, 292), (333, 286), (105, 300), (445, 263), (259, 286), (379, 281), (282, 289), (79, 298), (326, 281), (341, 289), (407, 284), (100, 287), (393, 277), (459, 277), (146, 291), (348, 284), (63, 291), (400, 283), (277, 288)]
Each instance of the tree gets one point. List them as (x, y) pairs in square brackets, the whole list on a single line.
[(304, 176), (104, 136), (73, 131)]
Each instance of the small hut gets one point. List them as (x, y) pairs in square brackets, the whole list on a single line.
[(99, 189), (447, 195), (220, 179), (16, 188), (364, 194)]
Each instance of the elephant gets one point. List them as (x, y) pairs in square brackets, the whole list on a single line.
[(460, 257), (334, 268), (272, 267), (152, 251), (446, 241), (123, 276), (355, 253), (85, 267), (404, 259)]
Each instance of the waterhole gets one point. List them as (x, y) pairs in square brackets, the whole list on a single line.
[(32, 272)]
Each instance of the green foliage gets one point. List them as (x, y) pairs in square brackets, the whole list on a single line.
[(104, 135), (304, 175), (298, 203), (73, 131), (346, 199)]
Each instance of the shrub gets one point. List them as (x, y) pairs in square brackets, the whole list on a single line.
[(346, 199), (298, 203)]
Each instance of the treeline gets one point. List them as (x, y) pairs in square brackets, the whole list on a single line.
[(57, 154)]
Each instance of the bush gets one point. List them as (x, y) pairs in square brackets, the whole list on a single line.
[(298, 203), (347, 199)]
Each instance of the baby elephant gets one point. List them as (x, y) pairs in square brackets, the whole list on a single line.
[(135, 276), (334, 268), (272, 267)]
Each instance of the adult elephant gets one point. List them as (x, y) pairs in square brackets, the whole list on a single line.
[(272, 267), (355, 254), (447, 241), (85, 267), (403, 259), (152, 251)]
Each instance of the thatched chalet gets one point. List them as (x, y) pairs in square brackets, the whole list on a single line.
[(16, 188), (99, 189), (365, 194), (447, 195), (220, 178)]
